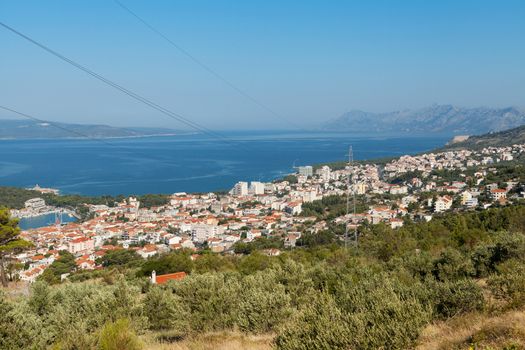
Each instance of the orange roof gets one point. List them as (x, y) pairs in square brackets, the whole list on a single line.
[(161, 279), (149, 248), (80, 240)]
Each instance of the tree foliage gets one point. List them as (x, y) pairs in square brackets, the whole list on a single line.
[(9, 241)]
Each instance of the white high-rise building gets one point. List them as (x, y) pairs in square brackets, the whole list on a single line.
[(324, 173), (240, 189), (256, 187), (307, 170), (201, 232)]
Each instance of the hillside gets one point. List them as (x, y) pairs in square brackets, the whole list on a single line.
[(496, 139), (436, 118), (455, 282), (27, 129)]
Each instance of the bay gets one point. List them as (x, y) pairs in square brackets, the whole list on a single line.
[(190, 163), (43, 220)]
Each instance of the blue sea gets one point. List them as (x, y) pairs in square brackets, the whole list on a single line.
[(190, 163), (42, 221)]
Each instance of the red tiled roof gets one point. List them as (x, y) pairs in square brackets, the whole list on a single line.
[(161, 279), (80, 240)]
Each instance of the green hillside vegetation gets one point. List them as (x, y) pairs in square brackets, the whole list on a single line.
[(494, 139), (14, 197), (383, 294)]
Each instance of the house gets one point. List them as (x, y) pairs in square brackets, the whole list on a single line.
[(85, 264), (81, 245), (31, 275), (443, 203), (147, 251), (396, 223), (161, 279), (272, 252), (498, 194), (294, 208), (396, 189), (465, 197), (291, 239)]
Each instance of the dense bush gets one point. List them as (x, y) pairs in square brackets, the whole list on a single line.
[(321, 296), (118, 335), (320, 324), (165, 310), (509, 284), (382, 312), (264, 303), (212, 300), (167, 263), (452, 298)]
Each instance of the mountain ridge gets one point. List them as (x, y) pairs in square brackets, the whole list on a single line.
[(435, 118)]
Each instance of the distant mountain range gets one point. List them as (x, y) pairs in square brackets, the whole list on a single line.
[(494, 139), (22, 129), (436, 119)]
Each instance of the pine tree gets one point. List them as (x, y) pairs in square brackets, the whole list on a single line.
[(9, 240)]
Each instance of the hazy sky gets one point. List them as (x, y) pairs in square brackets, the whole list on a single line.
[(307, 60)]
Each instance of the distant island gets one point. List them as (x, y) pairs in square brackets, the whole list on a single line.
[(435, 119), (28, 129)]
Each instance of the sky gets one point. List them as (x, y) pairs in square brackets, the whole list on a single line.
[(307, 61)]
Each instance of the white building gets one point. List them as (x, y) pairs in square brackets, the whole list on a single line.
[(324, 173), (398, 189), (201, 232), (294, 208), (307, 170), (498, 193), (35, 204), (256, 187), (443, 203), (465, 197), (360, 188), (240, 189)]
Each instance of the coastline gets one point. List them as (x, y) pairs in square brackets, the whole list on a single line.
[(32, 215), (94, 138)]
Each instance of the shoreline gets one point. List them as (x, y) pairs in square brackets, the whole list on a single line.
[(50, 212), (94, 138)]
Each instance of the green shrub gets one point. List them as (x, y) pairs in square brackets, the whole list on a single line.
[(320, 325), (165, 310), (507, 246), (18, 329), (263, 304), (509, 284), (167, 263), (118, 335), (213, 300), (452, 265), (381, 312), (452, 298)]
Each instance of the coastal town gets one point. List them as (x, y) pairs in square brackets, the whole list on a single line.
[(410, 187)]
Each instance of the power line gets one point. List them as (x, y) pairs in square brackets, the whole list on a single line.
[(206, 67), (176, 116)]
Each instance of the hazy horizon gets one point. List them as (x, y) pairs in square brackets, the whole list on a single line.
[(307, 61)]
